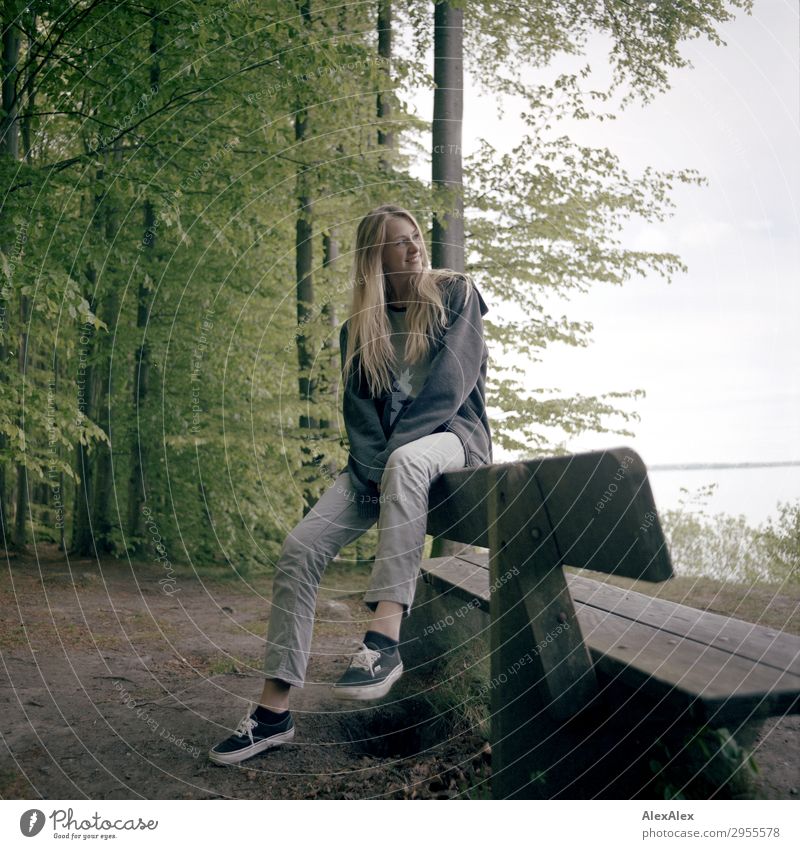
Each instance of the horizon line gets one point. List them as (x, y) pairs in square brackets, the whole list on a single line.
[(756, 464)]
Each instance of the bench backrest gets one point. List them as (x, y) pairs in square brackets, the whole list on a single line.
[(596, 509), (593, 510)]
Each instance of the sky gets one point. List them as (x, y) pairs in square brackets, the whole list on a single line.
[(716, 351)]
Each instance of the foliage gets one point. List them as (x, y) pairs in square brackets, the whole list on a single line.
[(706, 763), (727, 547), (150, 330), (780, 541)]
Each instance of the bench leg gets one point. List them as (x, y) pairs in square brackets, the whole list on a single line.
[(540, 667)]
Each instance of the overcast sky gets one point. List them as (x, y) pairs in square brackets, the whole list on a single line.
[(717, 350)]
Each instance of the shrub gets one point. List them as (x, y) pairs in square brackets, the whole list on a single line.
[(727, 548)]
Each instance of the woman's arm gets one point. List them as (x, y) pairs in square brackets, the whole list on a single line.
[(364, 429), (453, 373)]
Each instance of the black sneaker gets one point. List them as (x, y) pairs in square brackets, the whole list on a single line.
[(370, 675), (252, 737)]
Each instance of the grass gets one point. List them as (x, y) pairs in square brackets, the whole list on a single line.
[(227, 666)]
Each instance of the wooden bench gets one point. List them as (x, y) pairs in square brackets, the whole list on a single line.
[(584, 677)]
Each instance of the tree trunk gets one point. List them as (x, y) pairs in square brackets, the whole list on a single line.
[(21, 512), (82, 543), (304, 265), (91, 523), (30, 93), (58, 486), (137, 487), (447, 248), (9, 146), (304, 259), (10, 139), (10, 61), (9, 128), (103, 467), (139, 453), (385, 135), (330, 256)]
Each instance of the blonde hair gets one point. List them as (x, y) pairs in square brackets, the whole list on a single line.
[(369, 330)]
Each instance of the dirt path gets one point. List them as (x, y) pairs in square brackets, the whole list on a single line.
[(115, 689)]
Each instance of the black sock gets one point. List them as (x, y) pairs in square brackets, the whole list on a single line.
[(381, 641), (269, 717)]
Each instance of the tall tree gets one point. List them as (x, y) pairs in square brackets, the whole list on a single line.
[(103, 373), (140, 442), (86, 381), (9, 150), (384, 105), (304, 267), (447, 240)]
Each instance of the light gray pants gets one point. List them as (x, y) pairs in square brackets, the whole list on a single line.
[(332, 523)]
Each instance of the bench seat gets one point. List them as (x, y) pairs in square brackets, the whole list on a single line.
[(723, 669)]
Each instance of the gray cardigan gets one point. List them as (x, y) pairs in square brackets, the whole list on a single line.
[(453, 398)]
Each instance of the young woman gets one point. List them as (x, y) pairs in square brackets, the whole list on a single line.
[(413, 383)]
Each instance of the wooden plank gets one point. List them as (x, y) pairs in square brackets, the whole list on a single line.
[(650, 661), (458, 506), (719, 672), (524, 569), (603, 513), (525, 681), (476, 558), (735, 636), (459, 579), (598, 504)]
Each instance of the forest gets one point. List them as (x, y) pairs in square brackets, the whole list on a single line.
[(181, 185)]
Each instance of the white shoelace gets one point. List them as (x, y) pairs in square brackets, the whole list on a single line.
[(246, 726), (365, 659)]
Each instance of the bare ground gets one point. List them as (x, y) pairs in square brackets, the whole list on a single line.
[(114, 689)]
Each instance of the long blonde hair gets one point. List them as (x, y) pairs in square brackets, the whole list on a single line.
[(368, 337)]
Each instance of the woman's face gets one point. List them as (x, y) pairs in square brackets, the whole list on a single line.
[(402, 254)]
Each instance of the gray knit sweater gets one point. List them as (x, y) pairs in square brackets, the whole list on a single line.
[(453, 398)]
